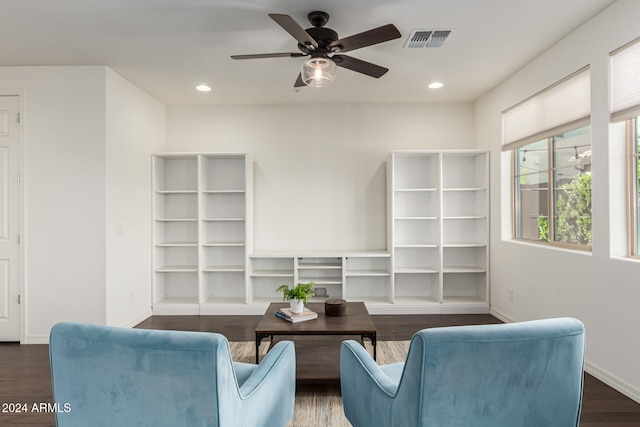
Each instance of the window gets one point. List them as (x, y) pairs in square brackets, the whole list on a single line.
[(625, 105), (550, 137), (532, 191), (553, 204)]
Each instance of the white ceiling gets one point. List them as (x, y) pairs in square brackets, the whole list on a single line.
[(167, 47)]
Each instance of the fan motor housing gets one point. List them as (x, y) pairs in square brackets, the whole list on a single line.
[(324, 36)]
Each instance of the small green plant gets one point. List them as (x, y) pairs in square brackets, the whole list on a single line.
[(301, 291)]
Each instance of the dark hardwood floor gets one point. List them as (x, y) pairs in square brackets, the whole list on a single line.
[(25, 377)]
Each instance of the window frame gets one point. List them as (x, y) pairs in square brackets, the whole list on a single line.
[(633, 174), (625, 107), (551, 203)]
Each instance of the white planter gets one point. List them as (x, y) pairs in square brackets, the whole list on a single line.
[(296, 305)]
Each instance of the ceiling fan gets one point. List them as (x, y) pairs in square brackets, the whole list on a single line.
[(324, 49)]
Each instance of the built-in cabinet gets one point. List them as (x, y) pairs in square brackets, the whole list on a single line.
[(202, 206), (438, 230), (437, 256), (354, 276)]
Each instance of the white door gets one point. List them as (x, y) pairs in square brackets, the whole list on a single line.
[(9, 218)]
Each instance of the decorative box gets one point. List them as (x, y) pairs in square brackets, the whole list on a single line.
[(335, 307)]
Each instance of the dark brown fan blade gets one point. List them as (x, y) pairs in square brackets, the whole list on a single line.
[(269, 55), (292, 27), (360, 66), (367, 38), (299, 82)]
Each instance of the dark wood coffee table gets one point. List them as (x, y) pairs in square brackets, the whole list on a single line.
[(317, 341)]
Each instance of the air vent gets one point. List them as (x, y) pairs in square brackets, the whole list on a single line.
[(427, 38)]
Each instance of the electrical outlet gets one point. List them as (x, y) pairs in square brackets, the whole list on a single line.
[(511, 294)]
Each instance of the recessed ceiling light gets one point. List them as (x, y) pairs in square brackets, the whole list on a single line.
[(203, 88), (435, 85)]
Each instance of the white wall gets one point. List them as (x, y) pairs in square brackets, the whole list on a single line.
[(87, 139), (63, 190), (600, 288), (319, 172), (135, 127)]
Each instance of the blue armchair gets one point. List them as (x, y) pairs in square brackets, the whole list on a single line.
[(107, 376), (506, 375)]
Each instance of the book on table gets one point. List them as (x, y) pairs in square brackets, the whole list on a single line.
[(288, 315)]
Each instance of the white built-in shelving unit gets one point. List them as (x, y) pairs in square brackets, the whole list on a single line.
[(203, 209), (438, 230), (355, 276), (436, 260)]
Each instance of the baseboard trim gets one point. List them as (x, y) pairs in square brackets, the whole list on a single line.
[(500, 315), (233, 310), (386, 309), (139, 320), (600, 374), (612, 381), (36, 339)]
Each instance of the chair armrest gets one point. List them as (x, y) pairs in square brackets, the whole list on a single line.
[(368, 394), (355, 358), (283, 353), (267, 389)]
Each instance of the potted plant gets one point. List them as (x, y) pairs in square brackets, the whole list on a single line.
[(298, 296)]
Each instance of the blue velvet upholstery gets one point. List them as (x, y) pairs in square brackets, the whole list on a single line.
[(506, 375), (107, 376)]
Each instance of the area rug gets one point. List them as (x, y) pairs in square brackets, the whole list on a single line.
[(320, 405)]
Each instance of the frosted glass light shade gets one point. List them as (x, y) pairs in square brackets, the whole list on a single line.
[(318, 72)]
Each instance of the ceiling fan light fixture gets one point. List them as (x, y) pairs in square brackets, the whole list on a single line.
[(318, 71)]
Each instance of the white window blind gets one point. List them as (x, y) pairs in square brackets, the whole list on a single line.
[(561, 107), (625, 82)]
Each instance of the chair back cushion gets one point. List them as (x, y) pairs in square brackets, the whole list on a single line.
[(135, 377), (520, 374)]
